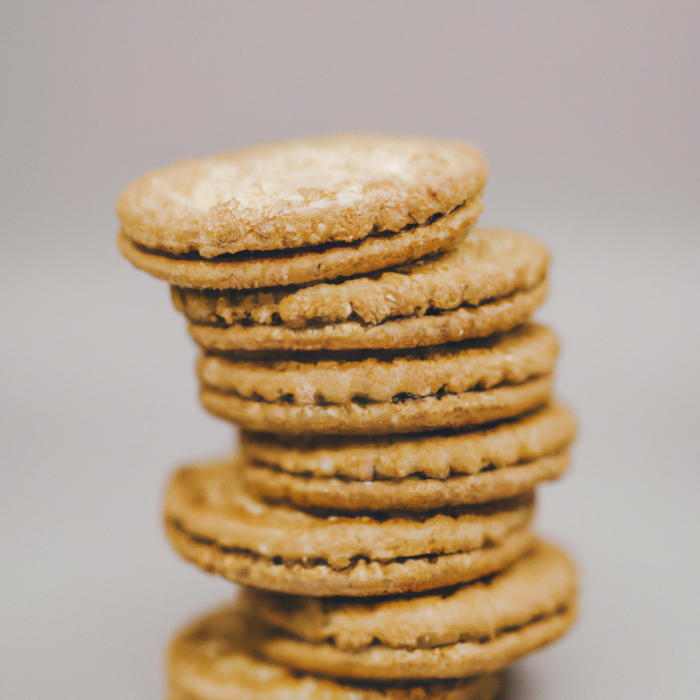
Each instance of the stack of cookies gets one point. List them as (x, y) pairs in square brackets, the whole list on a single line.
[(396, 413)]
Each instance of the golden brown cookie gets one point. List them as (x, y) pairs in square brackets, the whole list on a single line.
[(491, 281), (252, 270), (411, 493), (298, 195), (212, 521), (212, 660), (476, 628), (412, 472), (474, 382)]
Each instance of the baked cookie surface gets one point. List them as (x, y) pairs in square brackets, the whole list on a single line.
[(299, 193), (477, 381), (489, 282), (475, 628), (255, 269), (212, 660), (413, 472), (212, 521)]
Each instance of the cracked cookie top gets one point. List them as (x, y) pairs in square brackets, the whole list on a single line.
[(298, 193)]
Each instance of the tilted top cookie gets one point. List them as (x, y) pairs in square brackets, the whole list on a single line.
[(299, 193)]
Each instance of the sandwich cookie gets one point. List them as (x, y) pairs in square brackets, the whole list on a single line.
[(212, 660), (300, 211), (444, 386), (490, 282), (212, 521), (411, 472), (477, 628)]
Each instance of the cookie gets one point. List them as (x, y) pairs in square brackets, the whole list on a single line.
[(299, 194), (411, 493), (412, 472), (477, 381), (436, 455), (471, 629), (212, 521), (251, 270), (212, 660), (490, 282)]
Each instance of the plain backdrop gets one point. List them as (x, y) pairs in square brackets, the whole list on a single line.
[(588, 114)]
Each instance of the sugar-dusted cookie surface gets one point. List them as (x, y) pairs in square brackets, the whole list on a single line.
[(489, 282), (255, 269), (413, 472), (212, 521), (299, 194), (391, 392), (212, 660), (475, 628)]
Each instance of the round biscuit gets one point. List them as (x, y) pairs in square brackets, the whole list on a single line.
[(299, 193), (254, 269), (212, 521), (477, 628), (412, 472), (491, 281), (477, 381), (211, 659)]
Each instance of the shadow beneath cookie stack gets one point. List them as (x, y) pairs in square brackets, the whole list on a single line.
[(396, 414)]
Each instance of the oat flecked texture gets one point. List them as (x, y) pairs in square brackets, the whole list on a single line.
[(212, 660), (479, 627), (299, 193), (214, 522)]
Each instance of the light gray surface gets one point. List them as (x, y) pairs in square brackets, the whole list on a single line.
[(587, 115)]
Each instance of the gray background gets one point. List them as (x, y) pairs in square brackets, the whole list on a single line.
[(588, 115)]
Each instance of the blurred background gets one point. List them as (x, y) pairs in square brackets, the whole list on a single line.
[(588, 114)]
